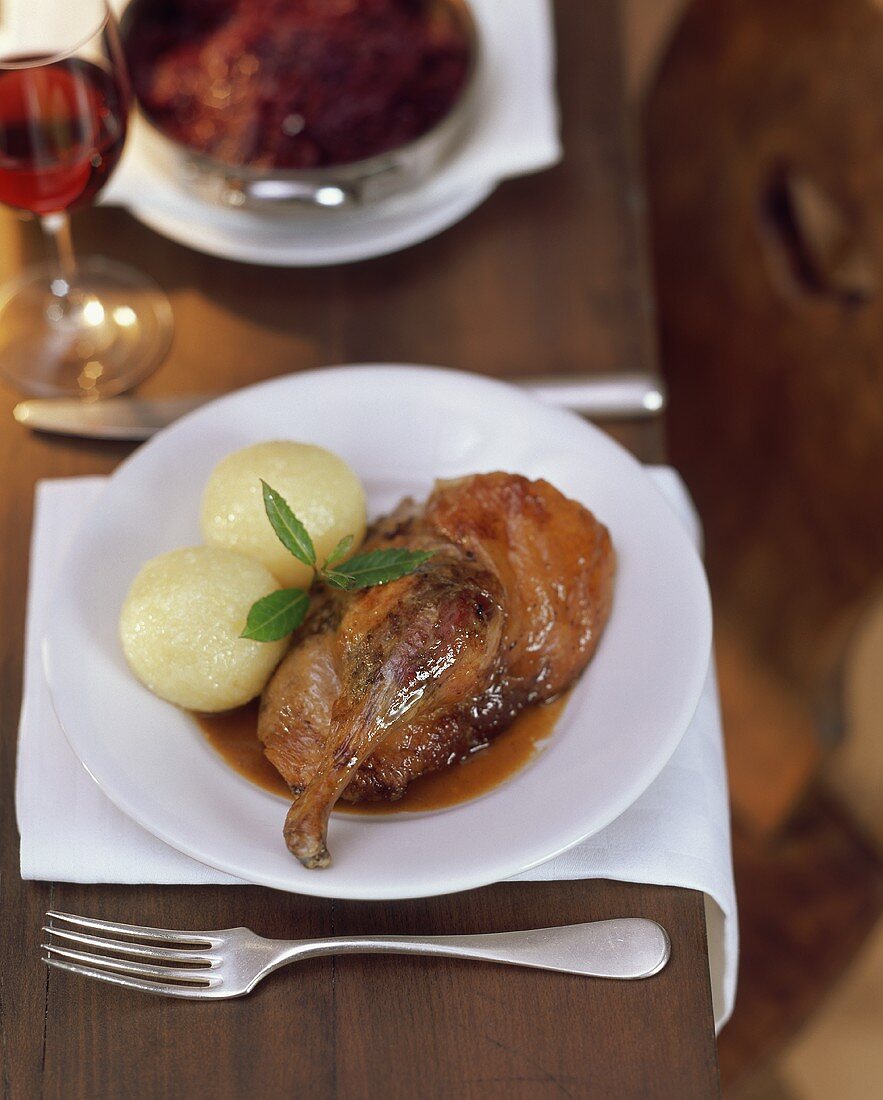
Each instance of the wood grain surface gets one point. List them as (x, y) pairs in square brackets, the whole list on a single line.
[(765, 179), (546, 277), (763, 148)]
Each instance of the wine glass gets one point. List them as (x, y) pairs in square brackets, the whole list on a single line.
[(90, 327)]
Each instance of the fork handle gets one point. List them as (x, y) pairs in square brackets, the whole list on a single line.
[(631, 947)]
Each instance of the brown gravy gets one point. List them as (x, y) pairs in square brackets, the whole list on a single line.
[(234, 736)]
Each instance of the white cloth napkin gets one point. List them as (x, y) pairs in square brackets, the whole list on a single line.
[(676, 834), (514, 130)]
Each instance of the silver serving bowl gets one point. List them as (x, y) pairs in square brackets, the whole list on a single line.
[(279, 190)]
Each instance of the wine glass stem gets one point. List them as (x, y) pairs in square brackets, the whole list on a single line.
[(58, 229)]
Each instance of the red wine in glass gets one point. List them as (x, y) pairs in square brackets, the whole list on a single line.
[(62, 129), (90, 327)]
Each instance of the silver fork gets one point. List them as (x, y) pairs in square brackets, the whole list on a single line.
[(231, 961)]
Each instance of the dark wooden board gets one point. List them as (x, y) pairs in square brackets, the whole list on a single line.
[(546, 277), (765, 181), (762, 144), (384, 1026)]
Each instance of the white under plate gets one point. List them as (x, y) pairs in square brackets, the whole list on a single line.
[(307, 237), (314, 239), (400, 428)]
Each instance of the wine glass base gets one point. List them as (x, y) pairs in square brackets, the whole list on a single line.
[(98, 335)]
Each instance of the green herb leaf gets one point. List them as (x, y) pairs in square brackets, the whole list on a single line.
[(339, 552), (291, 532), (375, 567), (337, 580), (275, 616)]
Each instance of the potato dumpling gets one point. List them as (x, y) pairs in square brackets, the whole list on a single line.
[(321, 490), (180, 628)]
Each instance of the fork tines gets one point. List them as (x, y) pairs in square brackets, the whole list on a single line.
[(180, 964)]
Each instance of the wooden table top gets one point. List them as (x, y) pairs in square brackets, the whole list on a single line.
[(548, 276)]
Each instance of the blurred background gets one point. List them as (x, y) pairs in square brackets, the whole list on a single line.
[(760, 125)]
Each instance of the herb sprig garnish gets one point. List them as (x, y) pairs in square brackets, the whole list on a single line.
[(277, 615)]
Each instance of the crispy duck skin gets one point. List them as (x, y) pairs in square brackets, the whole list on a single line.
[(389, 683)]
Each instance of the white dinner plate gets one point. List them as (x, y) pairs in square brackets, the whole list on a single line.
[(400, 428)]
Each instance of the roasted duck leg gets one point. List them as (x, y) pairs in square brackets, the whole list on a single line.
[(417, 646), (389, 683)]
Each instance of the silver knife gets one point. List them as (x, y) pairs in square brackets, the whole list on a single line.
[(599, 396)]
